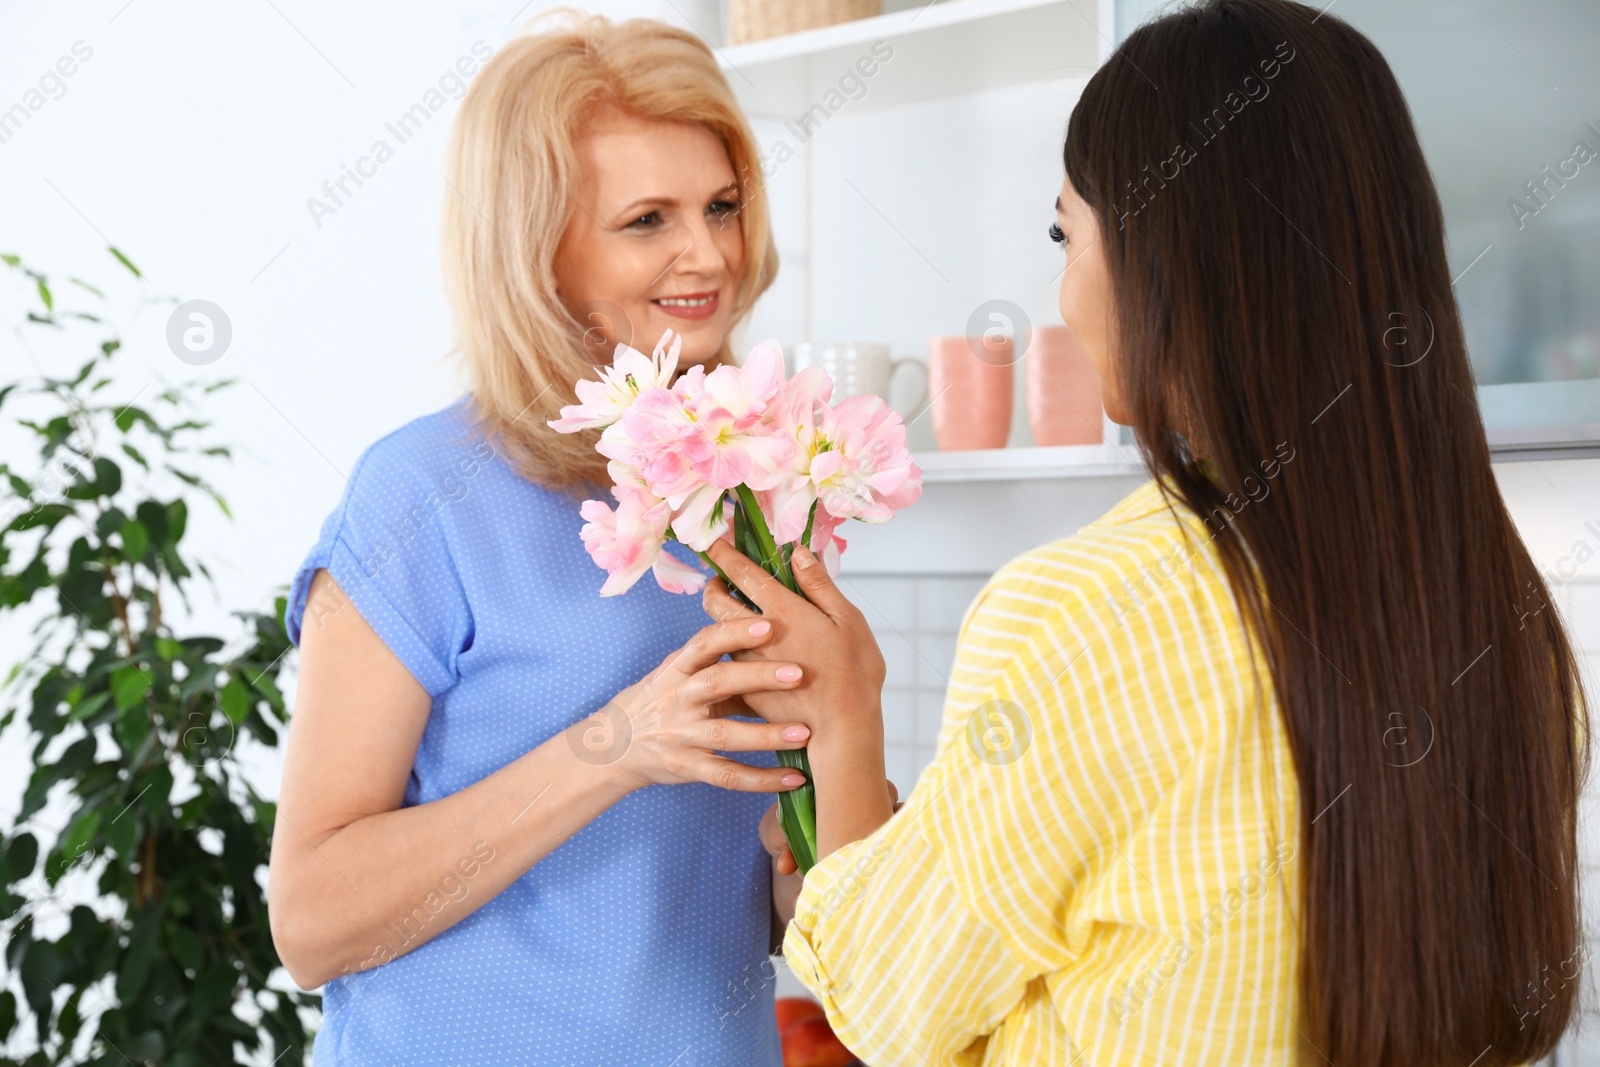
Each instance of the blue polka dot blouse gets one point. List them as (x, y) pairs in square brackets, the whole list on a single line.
[(642, 940)]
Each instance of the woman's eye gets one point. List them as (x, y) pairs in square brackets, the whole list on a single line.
[(1056, 235), (644, 222), (722, 209)]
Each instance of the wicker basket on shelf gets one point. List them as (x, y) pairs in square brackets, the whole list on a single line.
[(756, 20)]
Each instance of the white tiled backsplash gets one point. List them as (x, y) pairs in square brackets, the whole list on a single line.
[(915, 619)]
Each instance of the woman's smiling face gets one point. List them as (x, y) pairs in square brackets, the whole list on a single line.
[(1085, 301), (655, 234)]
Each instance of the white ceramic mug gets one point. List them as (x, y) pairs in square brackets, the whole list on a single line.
[(858, 367)]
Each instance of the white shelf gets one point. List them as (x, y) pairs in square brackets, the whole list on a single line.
[(1020, 464), (845, 35), (947, 49)]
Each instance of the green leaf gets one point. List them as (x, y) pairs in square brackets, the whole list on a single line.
[(44, 294), (214, 989), (135, 540), (88, 706), (154, 518), (78, 756), (185, 945), (177, 520), (109, 522), (120, 833), (124, 260), (135, 455), (130, 415), (21, 856), (266, 687), (132, 731), (236, 701), (107, 475), (129, 684), (70, 1021), (83, 832), (145, 1047), (85, 285), (168, 649), (39, 972), (46, 515), (141, 951)]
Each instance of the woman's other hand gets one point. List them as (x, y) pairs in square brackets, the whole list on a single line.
[(666, 728)]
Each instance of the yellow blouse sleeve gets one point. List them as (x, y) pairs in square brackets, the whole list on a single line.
[(905, 969)]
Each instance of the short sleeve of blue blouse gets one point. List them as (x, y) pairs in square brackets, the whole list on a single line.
[(391, 560)]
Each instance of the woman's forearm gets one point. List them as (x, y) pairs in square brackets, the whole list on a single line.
[(847, 769), (385, 883)]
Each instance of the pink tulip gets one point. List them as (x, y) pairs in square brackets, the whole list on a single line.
[(708, 429), (701, 516), (603, 402), (825, 544), (628, 541), (851, 459), (675, 576), (797, 414)]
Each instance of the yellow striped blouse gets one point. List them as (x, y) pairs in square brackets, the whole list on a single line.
[(1098, 866)]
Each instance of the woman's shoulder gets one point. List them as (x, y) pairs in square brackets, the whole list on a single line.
[(1110, 616), (1143, 546), (441, 446), (405, 495)]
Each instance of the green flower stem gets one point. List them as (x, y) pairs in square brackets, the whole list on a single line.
[(713, 565), (772, 560), (797, 811), (797, 808), (733, 590)]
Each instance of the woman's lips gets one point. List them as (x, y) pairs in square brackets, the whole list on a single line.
[(689, 305)]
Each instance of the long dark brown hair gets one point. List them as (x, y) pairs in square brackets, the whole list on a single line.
[(1276, 249)]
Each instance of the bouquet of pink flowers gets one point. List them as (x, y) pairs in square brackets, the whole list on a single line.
[(741, 454)]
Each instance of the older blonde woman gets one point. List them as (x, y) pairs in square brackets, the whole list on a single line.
[(509, 829)]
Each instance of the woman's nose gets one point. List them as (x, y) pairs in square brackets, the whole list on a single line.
[(703, 255)]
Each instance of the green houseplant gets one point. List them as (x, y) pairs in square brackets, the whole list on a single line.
[(134, 728)]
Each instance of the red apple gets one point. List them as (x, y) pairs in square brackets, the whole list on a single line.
[(811, 1043), (793, 1009)]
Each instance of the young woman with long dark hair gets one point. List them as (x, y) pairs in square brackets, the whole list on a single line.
[(1279, 760)]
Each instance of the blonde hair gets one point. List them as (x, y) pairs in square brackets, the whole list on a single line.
[(512, 172)]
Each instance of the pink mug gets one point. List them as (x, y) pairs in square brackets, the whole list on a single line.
[(970, 381), (1064, 406)]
